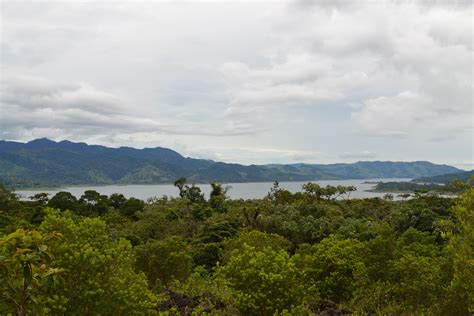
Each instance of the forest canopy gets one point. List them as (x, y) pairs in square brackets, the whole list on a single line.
[(303, 253)]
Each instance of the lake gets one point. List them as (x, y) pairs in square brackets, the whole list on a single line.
[(255, 190)]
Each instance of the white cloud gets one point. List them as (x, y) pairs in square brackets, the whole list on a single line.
[(36, 107), (366, 154), (301, 76), (406, 66)]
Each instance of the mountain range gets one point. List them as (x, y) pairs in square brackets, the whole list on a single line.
[(43, 162)]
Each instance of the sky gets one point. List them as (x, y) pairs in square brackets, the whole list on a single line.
[(248, 82)]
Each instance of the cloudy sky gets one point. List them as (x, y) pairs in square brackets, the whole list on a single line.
[(247, 82)]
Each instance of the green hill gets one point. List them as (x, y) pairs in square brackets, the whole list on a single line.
[(43, 162), (446, 178)]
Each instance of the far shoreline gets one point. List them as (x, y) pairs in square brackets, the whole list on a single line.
[(64, 186)]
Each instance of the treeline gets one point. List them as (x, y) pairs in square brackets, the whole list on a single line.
[(405, 187), (303, 253), (464, 176), (453, 188)]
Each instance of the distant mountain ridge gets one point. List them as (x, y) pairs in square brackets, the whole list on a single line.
[(43, 162)]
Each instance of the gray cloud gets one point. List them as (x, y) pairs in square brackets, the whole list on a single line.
[(410, 66), (33, 106), (362, 155), (222, 80)]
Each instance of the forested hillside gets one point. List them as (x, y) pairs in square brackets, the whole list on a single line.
[(43, 162), (307, 253), (446, 178)]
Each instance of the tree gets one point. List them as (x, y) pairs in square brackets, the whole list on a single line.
[(164, 261), (411, 280), (279, 195), (116, 200), (304, 222), (217, 196), (264, 281), (158, 221), (93, 203), (207, 243), (416, 282), (457, 187), (274, 190), (404, 196), (181, 184), (254, 238), (25, 270), (461, 253), (8, 199), (210, 292), (64, 201), (313, 190), (41, 198), (194, 194), (329, 268), (99, 276), (345, 191), (131, 206)]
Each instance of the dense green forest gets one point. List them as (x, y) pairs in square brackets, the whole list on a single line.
[(46, 163), (308, 253), (419, 188), (446, 178), (405, 187)]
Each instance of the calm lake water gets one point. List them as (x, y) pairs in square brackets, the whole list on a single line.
[(254, 190)]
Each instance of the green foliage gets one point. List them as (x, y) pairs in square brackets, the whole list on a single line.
[(406, 187), (254, 238), (64, 201), (208, 242), (418, 279), (457, 186), (464, 176), (164, 260), (93, 203), (8, 199), (217, 196), (329, 267), (302, 223), (279, 195), (461, 254), (180, 184), (25, 271), (97, 269), (157, 221), (192, 193), (287, 254), (264, 281), (211, 292), (130, 207), (117, 200), (411, 280), (43, 162), (317, 192)]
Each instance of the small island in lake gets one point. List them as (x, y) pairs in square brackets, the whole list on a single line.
[(405, 187)]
